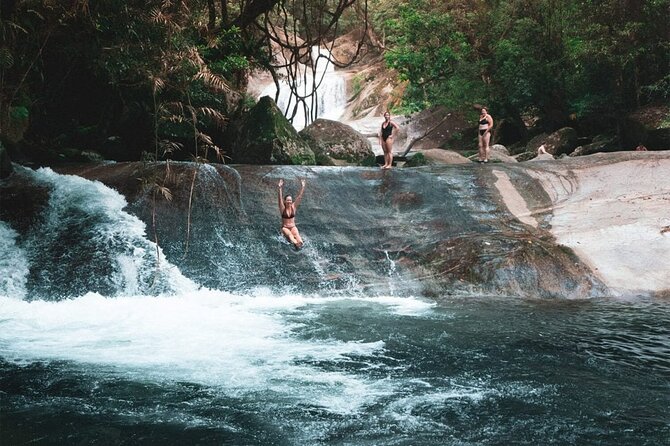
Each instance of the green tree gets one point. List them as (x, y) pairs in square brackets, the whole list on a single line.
[(549, 58), (431, 52)]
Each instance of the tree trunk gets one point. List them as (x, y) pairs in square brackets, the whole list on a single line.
[(211, 8), (224, 13), (253, 9)]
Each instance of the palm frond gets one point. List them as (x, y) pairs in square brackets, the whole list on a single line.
[(173, 107), (219, 154), (164, 191), (6, 58), (219, 118), (168, 147), (157, 84), (213, 81), (205, 139), (156, 15)]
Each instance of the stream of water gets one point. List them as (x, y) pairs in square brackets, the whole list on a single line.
[(124, 364), (208, 367)]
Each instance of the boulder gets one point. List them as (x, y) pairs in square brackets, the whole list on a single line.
[(5, 163), (543, 157), (561, 141), (649, 126), (498, 152), (332, 141), (526, 156), (435, 127), (416, 159), (500, 149), (14, 122), (532, 145), (599, 144), (440, 156), (508, 131), (265, 136)]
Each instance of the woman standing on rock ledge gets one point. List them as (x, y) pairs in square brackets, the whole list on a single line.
[(287, 210), (485, 127), (386, 140)]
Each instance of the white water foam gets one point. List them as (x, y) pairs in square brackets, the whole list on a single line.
[(139, 263), (239, 344), (13, 264)]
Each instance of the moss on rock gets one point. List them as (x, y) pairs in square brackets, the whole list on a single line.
[(267, 137)]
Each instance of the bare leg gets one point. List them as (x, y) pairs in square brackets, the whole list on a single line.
[(481, 153), (296, 235), (293, 236), (388, 153), (289, 235), (487, 138)]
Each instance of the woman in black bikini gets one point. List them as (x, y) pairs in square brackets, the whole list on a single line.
[(485, 127), (287, 210), (386, 140)]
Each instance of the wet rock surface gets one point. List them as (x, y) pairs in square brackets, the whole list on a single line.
[(5, 163), (570, 228)]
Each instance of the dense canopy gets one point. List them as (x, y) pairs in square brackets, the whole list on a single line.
[(160, 78)]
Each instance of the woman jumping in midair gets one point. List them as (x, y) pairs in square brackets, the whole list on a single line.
[(287, 210), (386, 140)]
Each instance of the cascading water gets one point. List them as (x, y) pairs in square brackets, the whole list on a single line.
[(326, 101), (13, 264), (85, 242), (98, 344)]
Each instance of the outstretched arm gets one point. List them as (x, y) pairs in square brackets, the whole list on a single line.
[(302, 190), (280, 196)]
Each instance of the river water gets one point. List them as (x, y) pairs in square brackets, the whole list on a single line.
[(206, 367), (149, 356)]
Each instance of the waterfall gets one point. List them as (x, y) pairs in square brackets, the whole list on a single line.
[(103, 340), (328, 101), (86, 242), (13, 264)]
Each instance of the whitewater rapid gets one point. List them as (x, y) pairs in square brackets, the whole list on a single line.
[(239, 343)]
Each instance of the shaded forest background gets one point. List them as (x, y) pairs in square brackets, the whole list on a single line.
[(152, 79)]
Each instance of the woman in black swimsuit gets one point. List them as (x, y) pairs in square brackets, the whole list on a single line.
[(386, 140), (485, 127), (287, 210)]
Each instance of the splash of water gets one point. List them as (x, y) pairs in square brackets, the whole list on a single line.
[(87, 242), (13, 264)]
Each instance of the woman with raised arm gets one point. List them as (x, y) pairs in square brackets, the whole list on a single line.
[(287, 210), (386, 139)]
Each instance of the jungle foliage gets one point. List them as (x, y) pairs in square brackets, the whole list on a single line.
[(162, 78), (549, 58), (144, 78)]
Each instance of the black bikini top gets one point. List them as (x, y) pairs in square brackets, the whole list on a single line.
[(287, 213), (483, 121)]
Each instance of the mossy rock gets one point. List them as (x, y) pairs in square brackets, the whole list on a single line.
[(5, 163), (267, 137), (332, 140), (418, 159)]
